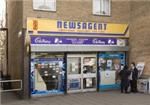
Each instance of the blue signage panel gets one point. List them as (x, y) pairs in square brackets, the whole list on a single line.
[(72, 40)]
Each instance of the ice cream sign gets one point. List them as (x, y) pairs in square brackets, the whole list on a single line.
[(49, 40)]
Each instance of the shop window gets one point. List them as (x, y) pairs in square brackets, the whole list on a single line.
[(45, 5), (101, 7), (47, 73)]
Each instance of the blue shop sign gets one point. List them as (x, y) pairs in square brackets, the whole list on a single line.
[(72, 40)]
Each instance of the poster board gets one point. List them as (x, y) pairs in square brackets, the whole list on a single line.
[(140, 66)]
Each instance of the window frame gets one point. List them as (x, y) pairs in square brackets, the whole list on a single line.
[(46, 10), (100, 14)]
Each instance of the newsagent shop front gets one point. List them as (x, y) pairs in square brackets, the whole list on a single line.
[(73, 56)]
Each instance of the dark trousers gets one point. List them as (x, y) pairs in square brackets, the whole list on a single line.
[(124, 86), (133, 84)]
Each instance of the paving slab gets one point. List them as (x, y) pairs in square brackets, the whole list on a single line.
[(90, 98)]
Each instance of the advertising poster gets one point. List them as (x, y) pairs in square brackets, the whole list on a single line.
[(47, 76), (109, 67), (109, 64), (49, 40), (74, 84), (140, 66)]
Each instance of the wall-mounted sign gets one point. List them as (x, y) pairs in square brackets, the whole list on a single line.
[(72, 40), (140, 66), (121, 42), (47, 26)]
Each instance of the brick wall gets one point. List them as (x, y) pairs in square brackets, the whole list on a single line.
[(80, 10), (140, 33)]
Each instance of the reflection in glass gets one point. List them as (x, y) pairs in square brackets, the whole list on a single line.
[(89, 65), (74, 65)]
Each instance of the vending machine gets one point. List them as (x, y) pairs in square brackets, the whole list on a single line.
[(47, 75), (110, 64)]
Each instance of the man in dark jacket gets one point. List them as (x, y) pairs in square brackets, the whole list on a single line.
[(124, 75), (133, 78)]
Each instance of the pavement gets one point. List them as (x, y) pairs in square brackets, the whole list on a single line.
[(90, 98)]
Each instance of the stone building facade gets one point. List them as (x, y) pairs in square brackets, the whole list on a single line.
[(135, 13), (139, 33)]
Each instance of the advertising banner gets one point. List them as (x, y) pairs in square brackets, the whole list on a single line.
[(36, 40), (47, 26)]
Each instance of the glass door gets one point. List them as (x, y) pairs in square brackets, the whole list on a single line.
[(74, 73), (81, 72), (89, 70)]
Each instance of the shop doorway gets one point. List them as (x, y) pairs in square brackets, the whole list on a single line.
[(81, 72)]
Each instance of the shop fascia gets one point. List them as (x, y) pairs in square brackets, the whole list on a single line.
[(81, 25), (36, 26)]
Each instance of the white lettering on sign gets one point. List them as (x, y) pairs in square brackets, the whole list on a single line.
[(96, 41), (110, 41), (43, 41)]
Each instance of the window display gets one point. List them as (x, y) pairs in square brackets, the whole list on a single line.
[(110, 64), (47, 74), (111, 61)]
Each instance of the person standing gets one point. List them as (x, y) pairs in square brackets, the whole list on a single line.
[(133, 78), (124, 75)]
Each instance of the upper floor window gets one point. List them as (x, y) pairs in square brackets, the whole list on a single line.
[(45, 5), (101, 7)]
